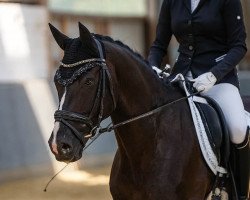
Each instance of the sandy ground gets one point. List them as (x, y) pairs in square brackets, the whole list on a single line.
[(80, 185)]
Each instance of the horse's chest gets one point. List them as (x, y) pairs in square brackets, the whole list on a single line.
[(149, 185)]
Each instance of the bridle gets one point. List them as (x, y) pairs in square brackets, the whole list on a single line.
[(66, 116)]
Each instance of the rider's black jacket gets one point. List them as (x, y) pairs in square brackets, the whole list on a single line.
[(212, 38)]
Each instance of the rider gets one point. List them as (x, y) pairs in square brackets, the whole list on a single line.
[(211, 37)]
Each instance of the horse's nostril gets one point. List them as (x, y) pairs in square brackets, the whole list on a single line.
[(66, 148)]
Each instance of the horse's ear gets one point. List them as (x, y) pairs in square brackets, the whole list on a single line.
[(86, 38), (60, 38)]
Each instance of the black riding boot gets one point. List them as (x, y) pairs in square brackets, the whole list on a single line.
[(242, 168)]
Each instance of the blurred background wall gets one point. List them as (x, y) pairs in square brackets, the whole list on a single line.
[(29, 57)]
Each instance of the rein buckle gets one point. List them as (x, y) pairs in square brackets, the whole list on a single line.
[(92, 133)]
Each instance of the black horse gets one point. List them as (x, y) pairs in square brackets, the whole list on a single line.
[(158, 157)]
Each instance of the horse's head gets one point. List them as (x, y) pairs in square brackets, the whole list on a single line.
[(85, 93)]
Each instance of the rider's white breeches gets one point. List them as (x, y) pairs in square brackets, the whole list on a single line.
[(229, 99)]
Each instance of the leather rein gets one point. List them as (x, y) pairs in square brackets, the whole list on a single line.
[(95, 131)]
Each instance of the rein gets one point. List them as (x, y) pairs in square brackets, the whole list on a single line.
[(111, 127), (95, 131)]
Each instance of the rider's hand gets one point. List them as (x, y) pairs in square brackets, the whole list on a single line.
[(204, 82), (160, 72)]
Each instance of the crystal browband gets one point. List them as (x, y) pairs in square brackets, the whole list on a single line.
[(82, 62), (67, 81)]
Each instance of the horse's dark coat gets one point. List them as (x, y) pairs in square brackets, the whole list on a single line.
[(158, 158)]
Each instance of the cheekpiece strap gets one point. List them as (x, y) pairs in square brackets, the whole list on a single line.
[(99, 46)]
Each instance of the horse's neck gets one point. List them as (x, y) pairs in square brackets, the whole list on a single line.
[(139, 88), (139, 91)]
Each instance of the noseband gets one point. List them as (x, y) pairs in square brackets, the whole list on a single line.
[(66, 116)]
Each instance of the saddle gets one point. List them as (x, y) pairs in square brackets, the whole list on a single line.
[(213, 136), (210, 126)]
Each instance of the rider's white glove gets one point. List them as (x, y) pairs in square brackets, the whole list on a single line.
[(160, 73), (204, 82), (157, 70)]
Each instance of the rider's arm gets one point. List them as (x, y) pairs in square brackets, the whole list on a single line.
[(236, 36), (163, 35)]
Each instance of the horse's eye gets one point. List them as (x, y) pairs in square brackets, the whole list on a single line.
[(89, 81)]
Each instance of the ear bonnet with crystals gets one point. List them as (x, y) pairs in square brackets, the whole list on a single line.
[(75, 61)]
